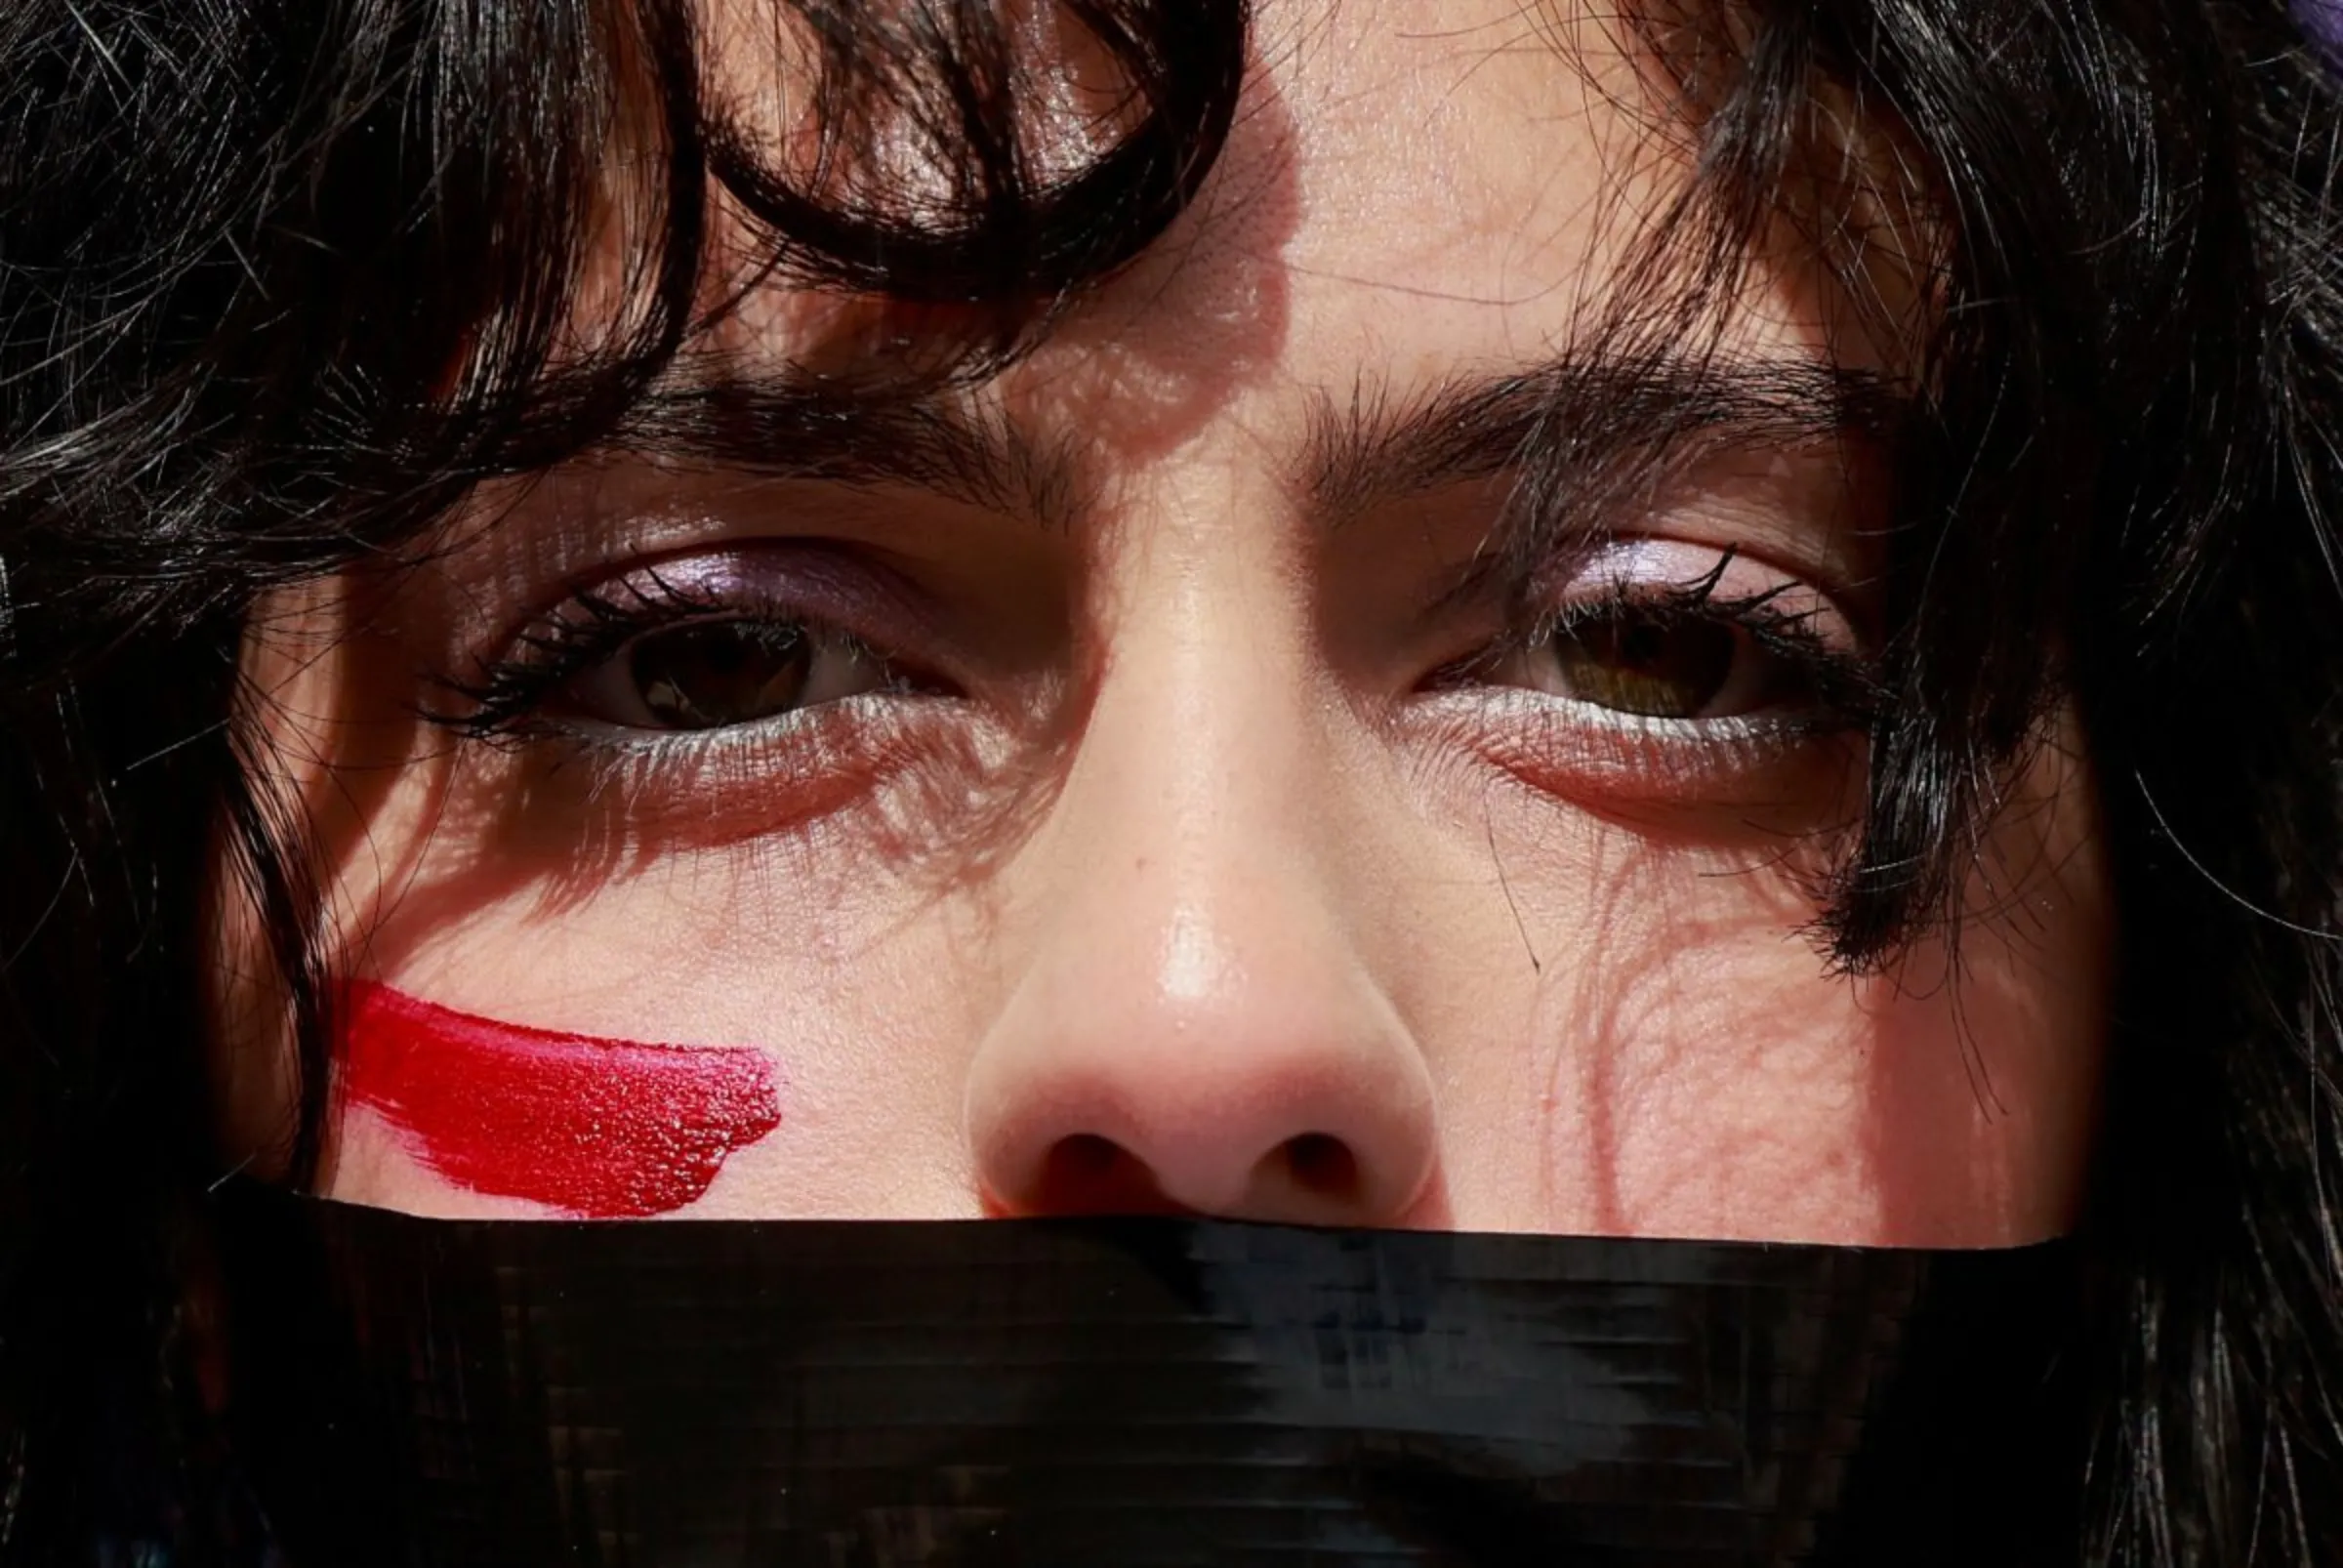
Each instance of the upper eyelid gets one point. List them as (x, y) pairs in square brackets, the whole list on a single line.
[(1729, 577), (1784, 609), (1532, 540), (811, 580), (840, 585), (514, 673), (1668, 561)]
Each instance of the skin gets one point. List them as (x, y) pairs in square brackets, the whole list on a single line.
[(1188, 875)]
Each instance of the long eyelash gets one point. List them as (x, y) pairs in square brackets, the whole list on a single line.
[(1846, 685), (509, 695)]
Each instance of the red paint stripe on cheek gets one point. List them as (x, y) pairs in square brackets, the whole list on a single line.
[(604, 1129)]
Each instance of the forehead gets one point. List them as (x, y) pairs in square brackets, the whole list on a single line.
[(1412, 188)]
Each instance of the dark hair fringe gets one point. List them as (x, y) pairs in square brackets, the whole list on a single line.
[(241, 246)]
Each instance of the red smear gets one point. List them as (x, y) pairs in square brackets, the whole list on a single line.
[(604, 1129)]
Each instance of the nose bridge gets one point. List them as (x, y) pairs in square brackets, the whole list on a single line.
[(1191, 814), (1198, 748), (1193, 1025)]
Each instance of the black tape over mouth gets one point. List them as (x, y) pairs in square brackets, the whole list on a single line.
[(706, 1394)]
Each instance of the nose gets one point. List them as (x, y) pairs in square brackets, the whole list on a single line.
[(1196, 1027), (1235, 1065)]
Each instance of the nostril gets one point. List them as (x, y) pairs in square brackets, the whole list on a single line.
[(1085, 1174), (1322, 1165), (1085, 1156)]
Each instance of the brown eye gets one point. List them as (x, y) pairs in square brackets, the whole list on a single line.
[(708, 674), (1649, 663), (724, 672), (1688, 642)]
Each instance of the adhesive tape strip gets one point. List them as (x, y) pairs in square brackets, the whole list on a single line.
[(1133, 1392)]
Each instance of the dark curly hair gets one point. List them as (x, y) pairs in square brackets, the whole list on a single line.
[(242, 242)]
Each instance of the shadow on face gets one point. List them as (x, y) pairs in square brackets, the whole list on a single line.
[(1355, 730)]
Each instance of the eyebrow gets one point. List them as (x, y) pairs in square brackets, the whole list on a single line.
[(1567, 428), (1582, 422), (949, 440)]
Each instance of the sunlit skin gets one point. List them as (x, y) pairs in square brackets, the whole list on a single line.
[(1180, 837)]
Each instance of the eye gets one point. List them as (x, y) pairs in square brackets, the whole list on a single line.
[(1667, 660), (717, 674), (1649, 662), (1681, 633)]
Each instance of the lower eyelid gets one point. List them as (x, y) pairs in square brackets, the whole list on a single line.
[(1522, 703), (1575, 751), (1730, 730), (856, 708), (690, 790)]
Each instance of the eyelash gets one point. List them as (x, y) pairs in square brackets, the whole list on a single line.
[(1845, 682), (507, 701)]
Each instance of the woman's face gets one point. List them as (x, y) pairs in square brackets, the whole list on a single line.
[(1174, 774)]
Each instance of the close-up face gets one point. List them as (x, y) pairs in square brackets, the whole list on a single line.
[(1357, 728)]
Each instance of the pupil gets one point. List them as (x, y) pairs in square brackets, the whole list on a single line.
[(719, 672), (1652, 666)]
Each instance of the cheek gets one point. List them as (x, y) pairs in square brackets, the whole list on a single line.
[(1736, 1094), (821, 1028), (589, 1125), (811, 1022), (1698, 1072)]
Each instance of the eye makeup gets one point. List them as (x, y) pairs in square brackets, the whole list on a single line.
[(572, 666), (598, 1129), (1697, 636), (704, 691)]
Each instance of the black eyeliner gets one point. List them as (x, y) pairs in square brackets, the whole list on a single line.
[(507, 698)]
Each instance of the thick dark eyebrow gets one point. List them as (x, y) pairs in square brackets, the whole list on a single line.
[(1582, 426), (951, 441), (1569, 431)]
